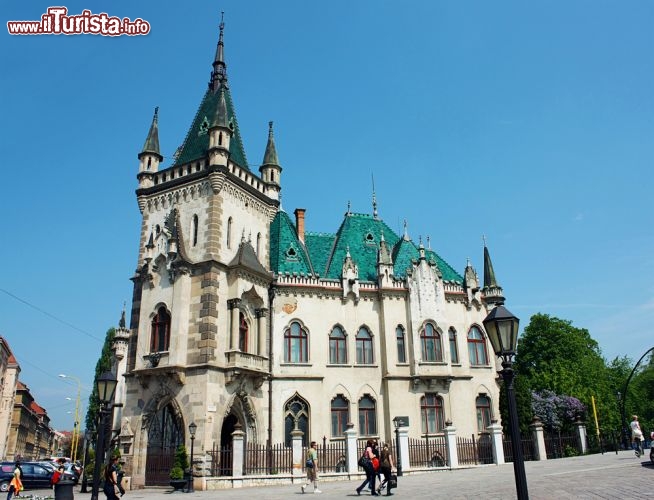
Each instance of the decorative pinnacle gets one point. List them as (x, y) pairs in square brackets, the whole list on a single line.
[(374, 198)]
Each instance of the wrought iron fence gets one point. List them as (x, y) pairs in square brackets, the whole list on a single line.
[(606, 442), (428, 452), (559, 445), (528, 452), (221, 460), (268, 459), (332, 456)]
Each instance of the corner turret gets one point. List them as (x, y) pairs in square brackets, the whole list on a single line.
[(220, 133), (270, 169), (150, 156), (493, 293)]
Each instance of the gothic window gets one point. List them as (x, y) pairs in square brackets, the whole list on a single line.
[(431, 411), (242, 332), (296, 416), (400, 340), (160, 338), (364, 347), (229, 233), (340, 409), (430, 340), (367, 416), (337, 346), (149, 162), (220, 139), (477, 347), (295, 344), (195, 230), (483, 413), (259, 245), (454, 350)]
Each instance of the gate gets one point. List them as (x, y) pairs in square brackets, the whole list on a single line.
[(164, 436)]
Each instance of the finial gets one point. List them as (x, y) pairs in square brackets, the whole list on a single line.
[(406, 232), (381, 238), (349, 205), (156, 113), (270, 129), (468, 261), (250, 237), (483, 238), (374, 198), (121, 323), (347, 251), (420, 241), (222, 20), (428, 243), (243, 236)]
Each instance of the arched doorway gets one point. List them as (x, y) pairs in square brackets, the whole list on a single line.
[(165, 434), (229, 426)]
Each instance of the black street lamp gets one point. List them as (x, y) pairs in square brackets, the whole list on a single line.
[(192, 427), (397, 422), (502, 329), (106, 385)]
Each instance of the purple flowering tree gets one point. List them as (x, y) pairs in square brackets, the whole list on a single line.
[(556, 412)]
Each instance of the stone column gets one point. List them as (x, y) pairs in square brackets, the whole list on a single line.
[(581, 435), (298, 456), (238, 451), (495, 430), (404, 448), (351, 450), (261, 330), (232, 305), (450, 443), (538, 437)]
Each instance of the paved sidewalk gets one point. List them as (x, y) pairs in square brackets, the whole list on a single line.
[(610, 476)]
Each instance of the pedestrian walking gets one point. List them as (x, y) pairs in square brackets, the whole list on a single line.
[(312, 469), (387, 466), (16, 484), (111, 479), (636, 436), (366, 463)]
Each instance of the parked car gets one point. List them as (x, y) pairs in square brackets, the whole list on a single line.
[(70, 473), (35, 475)]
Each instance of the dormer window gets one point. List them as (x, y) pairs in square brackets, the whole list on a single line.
[(369, 239), (204, 126), (291, 254)]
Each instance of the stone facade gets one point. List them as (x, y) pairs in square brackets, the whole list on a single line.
[(9, 371), (241, 319)]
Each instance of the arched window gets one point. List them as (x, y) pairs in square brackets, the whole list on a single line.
[(430, 340), (195, 230), (431, 411), (259, 245), (364, 347), (340, 415), (295, 344), (401, 344), (367, 416), (454, 350), (229, 233), (243, 329), (160, 338), (483, 412), (220, 139), (337, 346), (296, 416), (477, 347)]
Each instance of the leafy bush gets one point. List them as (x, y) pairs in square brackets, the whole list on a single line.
[(181, 463)]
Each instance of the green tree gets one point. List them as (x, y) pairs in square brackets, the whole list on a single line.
[(556, 356), (104, 364)]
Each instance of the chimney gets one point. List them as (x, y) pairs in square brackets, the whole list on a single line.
[(299, 223)]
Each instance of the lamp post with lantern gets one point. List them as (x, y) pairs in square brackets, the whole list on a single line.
[(192, 427), (106, 385), (502, 329)]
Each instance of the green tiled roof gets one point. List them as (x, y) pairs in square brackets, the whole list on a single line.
[(197, 139), (325, 252), (360, 234), (287, 254)]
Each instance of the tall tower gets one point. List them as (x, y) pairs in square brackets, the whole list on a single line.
[(197, 337)]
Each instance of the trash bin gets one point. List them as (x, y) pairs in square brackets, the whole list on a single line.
[(63, 490)]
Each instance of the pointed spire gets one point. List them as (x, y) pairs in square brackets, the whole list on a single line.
[(270, 156), (219, 73), (406, 232), (152, 141), (122, 323), (374, 198), (489, 273), (349, 208), (221, 118), (383, 254)]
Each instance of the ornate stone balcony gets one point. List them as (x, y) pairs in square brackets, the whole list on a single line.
[(247, 362)]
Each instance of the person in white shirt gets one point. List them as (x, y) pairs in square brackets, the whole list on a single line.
[(636, 436)]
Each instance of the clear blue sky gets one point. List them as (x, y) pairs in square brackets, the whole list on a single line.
[(529, 122)]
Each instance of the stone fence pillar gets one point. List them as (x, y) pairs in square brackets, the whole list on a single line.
[(298, 456), (351, 450), (538, 438), (238, 451), (580, 427), (495, 430), (403, 433), (450, 444)]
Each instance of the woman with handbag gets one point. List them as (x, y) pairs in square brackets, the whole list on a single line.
[(387, 466), (366, 462)]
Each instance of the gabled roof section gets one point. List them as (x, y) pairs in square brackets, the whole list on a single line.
[(287, 254), (404, 253), (319, 246), (361, 234), (449, 274), (197, 139), (246, 257)]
